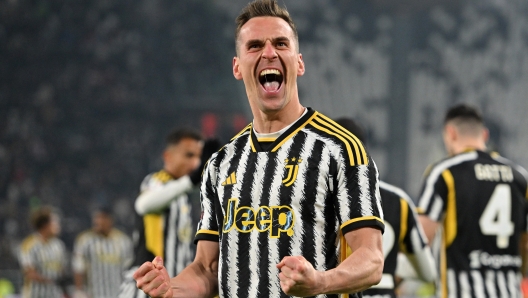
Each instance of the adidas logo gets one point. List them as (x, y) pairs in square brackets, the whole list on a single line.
[(230, 180)]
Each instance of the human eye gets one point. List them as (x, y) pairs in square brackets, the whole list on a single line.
[(253, 46), (282, 43)]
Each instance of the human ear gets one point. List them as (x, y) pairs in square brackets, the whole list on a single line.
[(236, 69), (301, 69)]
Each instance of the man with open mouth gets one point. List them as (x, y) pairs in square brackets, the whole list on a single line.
[(291, 205)]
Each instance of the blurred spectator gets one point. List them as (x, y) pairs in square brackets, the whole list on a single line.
[(101, 255), (43, 257)]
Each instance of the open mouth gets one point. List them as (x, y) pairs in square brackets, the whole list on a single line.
[(271, 79)]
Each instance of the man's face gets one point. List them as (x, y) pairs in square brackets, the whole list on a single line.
[(55, 227), (181, 159), (102, 222), (268, 62)]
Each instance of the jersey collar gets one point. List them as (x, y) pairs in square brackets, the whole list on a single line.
[(289, 133)]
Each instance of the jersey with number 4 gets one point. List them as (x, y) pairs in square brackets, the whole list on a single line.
[(480, 198)]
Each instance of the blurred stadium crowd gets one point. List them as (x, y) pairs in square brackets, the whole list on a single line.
[(88, 89)]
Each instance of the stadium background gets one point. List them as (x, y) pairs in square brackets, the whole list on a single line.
[(89, 89)]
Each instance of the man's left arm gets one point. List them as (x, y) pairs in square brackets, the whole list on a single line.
[(361, 270)]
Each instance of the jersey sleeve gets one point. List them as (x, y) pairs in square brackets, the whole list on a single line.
[(413, 242), (433, 194), (358, 198), (79, 254), (208, 227), (26, 256)]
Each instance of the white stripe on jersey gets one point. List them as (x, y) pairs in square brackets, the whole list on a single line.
[(451, 283), (437, 171), (320, 262), (394, 189), (436, 209), (364, 194), (465, 287), (478, 284), (274, 200), (504, 160), (490, 284), (514, 284), (170, 255), (501, 281), (378, 194), (296, 243), (254, 250), (233, 253)]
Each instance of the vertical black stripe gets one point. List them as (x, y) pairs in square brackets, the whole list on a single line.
[(264, 278), (308, 215), (244, 250)]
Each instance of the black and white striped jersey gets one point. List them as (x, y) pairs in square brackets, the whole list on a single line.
[(167, 233), (403, 233), (49, 259), (480, 198), (103, 260), (312, 184)]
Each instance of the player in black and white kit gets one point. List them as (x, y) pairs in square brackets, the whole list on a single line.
[(284, 197), (164, 224), (479, 199), (403, 233)]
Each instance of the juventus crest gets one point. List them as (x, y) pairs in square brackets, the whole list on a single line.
[(292, 167)]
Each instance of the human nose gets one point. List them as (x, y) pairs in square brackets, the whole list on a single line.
[(269, 51)]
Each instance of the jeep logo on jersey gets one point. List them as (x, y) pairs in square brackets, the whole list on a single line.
[(275, 219), (292, 166)]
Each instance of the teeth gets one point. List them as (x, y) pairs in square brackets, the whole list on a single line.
[(269, 71)]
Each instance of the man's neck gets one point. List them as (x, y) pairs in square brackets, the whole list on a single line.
[(269, 122), (45, 236), (103, 233), (469, 145)]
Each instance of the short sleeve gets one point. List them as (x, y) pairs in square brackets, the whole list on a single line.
[(358, 199), (79, 254), (412, 236), (433, 194), (208, 227), (26, 255)]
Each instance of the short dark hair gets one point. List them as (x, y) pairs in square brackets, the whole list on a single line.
[(264, 8), (175, 136), (465, 112), (354, 127), (41, 217), (103, 209)]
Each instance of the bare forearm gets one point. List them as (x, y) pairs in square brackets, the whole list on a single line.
[(32, 274), (196, 281), (356, 273), (79, 280)]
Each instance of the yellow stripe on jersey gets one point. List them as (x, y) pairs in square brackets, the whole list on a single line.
[(349, 150), (450, 223), (350, 136), (154, 233), (162, 176), (294, 132), (404, 216), (28, 243), (248, 127), (346, 223), (266, 139), (208, 232)]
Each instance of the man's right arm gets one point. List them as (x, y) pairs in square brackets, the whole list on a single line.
[(154, 200), (199, 279)]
